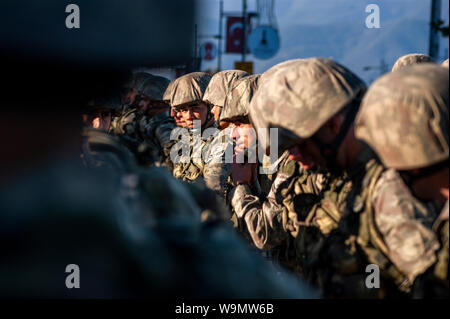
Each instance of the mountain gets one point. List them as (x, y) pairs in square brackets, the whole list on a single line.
[(337, 29)]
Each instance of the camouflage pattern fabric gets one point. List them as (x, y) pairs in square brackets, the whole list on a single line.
[(435, 282), (191, 167), (381, 223), (303, 96), (404, 117), (219, 85), (154, 87), (411, 59), (157, 132), (101, 150), (136, 80), (285, 64), (239, 97), (269, 224), (187, 89)]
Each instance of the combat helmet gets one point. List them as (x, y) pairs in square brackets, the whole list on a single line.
[(111, 104), (271, 71), (187, 89), (404, 117), (154, 87), (238, 98), (136, 80), (411, 59), (220, 84), (300, 98)]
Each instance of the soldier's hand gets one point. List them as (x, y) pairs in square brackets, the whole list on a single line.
[(243, 173)]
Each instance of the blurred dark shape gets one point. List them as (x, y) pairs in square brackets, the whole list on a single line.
[(44, 62), (111, 33)]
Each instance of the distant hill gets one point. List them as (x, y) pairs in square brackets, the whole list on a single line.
[(337, 29)]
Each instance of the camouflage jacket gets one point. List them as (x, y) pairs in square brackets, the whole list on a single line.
[(272, 223), (101, 150), (203, 159), (380, 223), (129, 124), (156, 131), (435, 282)]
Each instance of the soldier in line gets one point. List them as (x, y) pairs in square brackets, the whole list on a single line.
[(100, 149), (144, 110), (371, 229), (272, 223), (404, 118), (156, 124), (186, 98), (411, 59), (321, 127), (217, 89), (236, 126), (129, 95)]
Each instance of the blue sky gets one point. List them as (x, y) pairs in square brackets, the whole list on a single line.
[(335, 29)]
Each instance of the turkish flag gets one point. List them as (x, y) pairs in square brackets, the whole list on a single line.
[(234, 34)]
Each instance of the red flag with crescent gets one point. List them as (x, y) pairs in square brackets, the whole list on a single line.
[(234, 34)]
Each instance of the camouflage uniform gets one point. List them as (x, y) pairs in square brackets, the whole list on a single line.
[(357, 229), (187, 90), (273, 223), (411, 59), (415, 101), (101, 150), (147, 136), (119, 123), (132, 121)]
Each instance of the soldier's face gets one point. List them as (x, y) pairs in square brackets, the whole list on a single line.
[(307, 154), (197, 112), (129, 97), (179, 121), (100, 120), (143, 104), (244, 135)]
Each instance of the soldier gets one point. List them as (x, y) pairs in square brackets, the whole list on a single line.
[(217, 89), (98, 114), (186, 98), (236, 126), (101, 150), (410, 59), (404, 118), (175, 114), (145, 124), (156, 124), (136, 104), (129, 94), (354, 215), (294, 191)]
